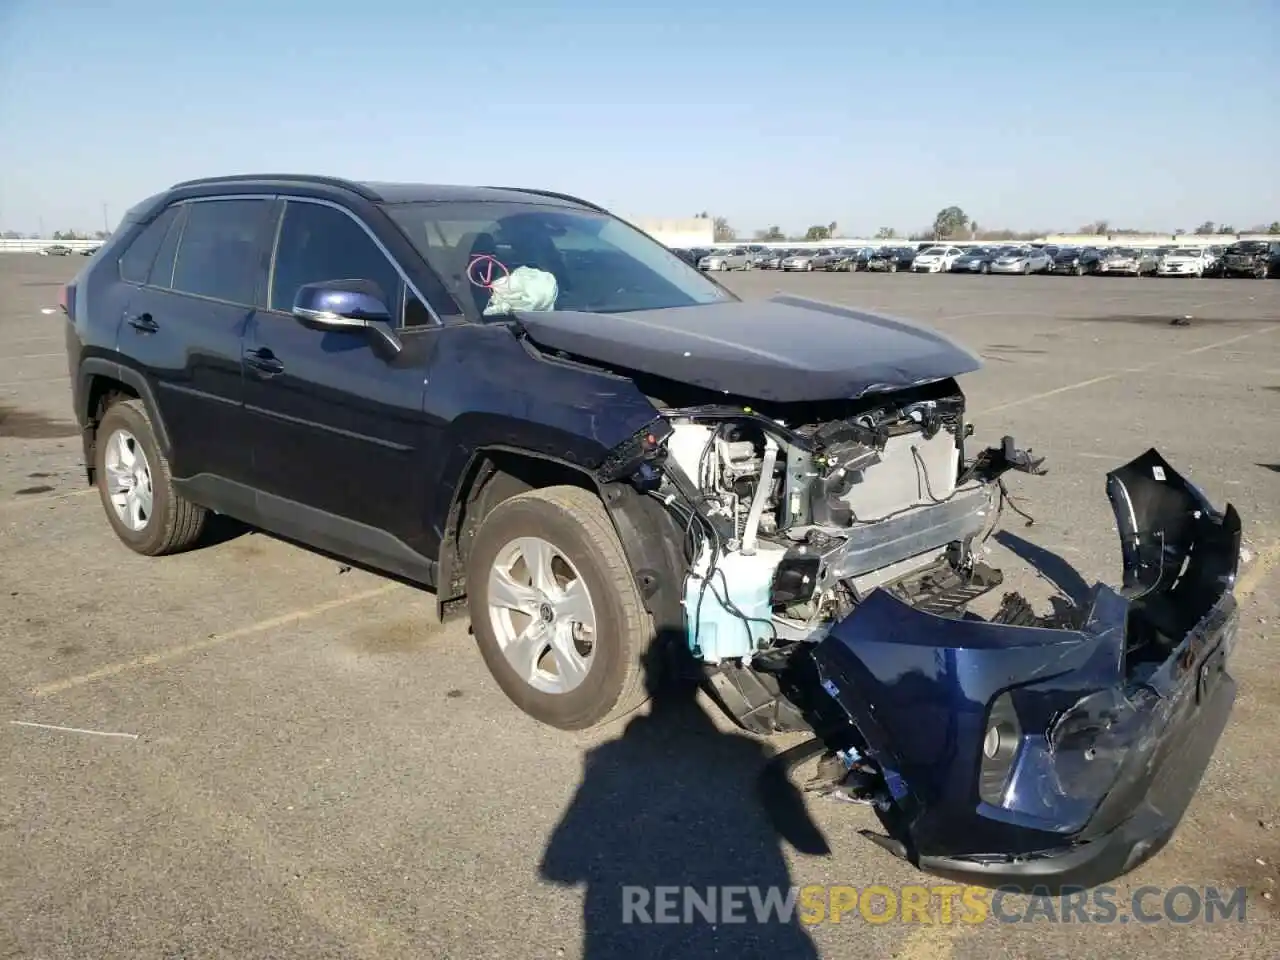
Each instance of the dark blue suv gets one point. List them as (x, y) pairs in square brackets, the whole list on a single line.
[(514, 397)]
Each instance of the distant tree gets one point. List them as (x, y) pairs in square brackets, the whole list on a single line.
[(701, 216), (11, 235), (1274, 228), (1225, 229), (949, 222), (1205, 228), (102, 235), (818, 232), (722, 231), (832, 230), (771, 234), (886, 233), (1098, 228), (973, 229)]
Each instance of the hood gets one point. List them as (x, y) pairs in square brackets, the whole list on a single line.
[(785, 349)]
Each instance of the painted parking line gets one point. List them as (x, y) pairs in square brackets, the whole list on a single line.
[(1145, 368), (216, 640)]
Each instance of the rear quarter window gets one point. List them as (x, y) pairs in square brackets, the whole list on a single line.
[(136, 261)]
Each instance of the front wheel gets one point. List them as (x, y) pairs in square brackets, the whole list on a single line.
[(893, 268), (556, 611)]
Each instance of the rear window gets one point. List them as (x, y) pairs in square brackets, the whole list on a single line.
[(218, 254)]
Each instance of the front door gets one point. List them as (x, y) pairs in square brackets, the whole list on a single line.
[(340, 442)]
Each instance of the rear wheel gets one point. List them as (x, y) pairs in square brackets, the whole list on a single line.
[(893, 268), (555, 609), (136, 488)]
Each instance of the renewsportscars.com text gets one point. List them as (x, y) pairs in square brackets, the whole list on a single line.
[(942, 904)]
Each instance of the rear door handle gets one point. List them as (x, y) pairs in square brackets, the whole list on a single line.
[(263, 361), (143, 323)]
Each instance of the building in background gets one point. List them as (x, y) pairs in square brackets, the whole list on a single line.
[(684, 233)]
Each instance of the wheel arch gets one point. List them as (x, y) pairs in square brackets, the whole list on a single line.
[(649, 535), (100, 381)]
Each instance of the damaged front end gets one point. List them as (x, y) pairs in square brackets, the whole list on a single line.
[(831, 552), (1043, 752)]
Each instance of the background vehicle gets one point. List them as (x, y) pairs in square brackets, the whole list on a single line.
[(935, 259), (1076, 260), (770, 259), (739, 258), (802, 259), (832, 259), (1252, 258), (1184, 262), (1127, 261), (57, 250), (974, 260), (891, 259), (1022, 260), (857, 260)]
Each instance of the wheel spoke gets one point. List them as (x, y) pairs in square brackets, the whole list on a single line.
[(574, 606), (524, 652), (504, 592), (571, 667), (143, 496), (117, 479), (538, 555)]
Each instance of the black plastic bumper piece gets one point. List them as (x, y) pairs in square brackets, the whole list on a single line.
[(1132, 843)]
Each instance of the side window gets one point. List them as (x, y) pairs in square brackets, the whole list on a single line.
[(161, 274), (217, 255), (320, 243), (135, 262)]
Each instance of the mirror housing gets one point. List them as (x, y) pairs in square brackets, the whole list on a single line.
[(346, 305)]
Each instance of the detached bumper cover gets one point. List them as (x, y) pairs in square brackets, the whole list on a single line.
[(1102, 732)]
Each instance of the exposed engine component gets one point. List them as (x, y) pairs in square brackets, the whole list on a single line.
[(820, 514)]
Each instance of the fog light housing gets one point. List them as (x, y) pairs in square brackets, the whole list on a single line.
[(999, 749)]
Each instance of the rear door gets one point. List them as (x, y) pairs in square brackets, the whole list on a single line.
[(185, 325)]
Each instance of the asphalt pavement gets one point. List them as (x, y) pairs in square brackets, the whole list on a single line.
[(268, 755)]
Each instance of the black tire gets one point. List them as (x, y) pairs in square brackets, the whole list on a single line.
[(175, 523), (984, 268), (576, 523), (893, 268)]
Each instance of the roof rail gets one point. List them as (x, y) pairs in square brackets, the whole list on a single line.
[(356, 188), (554, 195)]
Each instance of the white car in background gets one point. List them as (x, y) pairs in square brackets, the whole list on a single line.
[(1023, 260), (1189, 262), (935, 259)]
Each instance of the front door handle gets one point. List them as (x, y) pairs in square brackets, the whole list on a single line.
[(143, 323), (264, 362)]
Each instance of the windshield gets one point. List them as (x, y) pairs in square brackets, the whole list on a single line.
[(1188, 252), (934, 252), (1123, 252), (599, 263), (1069, 252), (1248, 246)]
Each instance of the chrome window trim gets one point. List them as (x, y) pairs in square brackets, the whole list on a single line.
[(395, 265)]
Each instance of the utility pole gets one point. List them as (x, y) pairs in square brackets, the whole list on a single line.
[(106, 228)]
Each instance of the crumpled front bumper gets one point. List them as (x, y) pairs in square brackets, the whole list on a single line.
[(1102, 730)]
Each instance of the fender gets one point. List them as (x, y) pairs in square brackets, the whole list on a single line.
[(102, 367)]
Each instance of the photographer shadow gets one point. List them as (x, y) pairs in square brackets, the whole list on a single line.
[(675, 802)]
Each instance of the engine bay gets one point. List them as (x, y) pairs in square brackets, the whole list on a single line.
[(802, 521)]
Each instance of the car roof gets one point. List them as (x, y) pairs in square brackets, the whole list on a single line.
[(382, 192)]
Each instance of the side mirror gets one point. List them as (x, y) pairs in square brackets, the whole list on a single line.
[(350, 305), (340, 304)]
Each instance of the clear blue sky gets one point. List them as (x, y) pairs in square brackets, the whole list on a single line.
[(1034, 115)]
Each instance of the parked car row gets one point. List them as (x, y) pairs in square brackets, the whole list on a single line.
[(1245, 258)]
